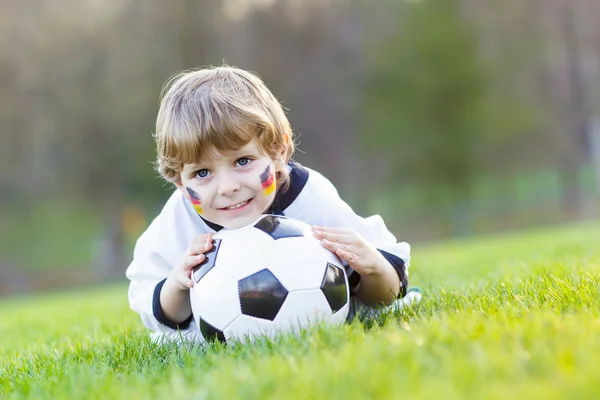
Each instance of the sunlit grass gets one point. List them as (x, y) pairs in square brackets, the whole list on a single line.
[(515, 315)]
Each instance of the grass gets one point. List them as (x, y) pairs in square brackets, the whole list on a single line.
[(514, 315)]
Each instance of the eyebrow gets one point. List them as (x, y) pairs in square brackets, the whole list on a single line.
[(192, 167), (243, 151)]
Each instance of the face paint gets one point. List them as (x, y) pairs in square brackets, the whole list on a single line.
[(267, 179), (195, 199)]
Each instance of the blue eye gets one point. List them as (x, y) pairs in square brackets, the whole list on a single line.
[(242, 162), (203, 173)]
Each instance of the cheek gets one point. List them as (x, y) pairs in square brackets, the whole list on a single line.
[(267, 180), (195, 199)]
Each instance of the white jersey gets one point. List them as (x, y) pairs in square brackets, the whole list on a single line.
[(311, 198)]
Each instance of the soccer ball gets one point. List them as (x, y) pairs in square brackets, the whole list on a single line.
[(272, 276)]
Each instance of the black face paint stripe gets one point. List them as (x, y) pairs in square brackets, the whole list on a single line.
[(193, 194)]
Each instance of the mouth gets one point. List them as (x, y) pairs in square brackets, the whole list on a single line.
[(236, 206)]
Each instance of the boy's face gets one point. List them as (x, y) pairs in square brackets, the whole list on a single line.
[(232, 189)]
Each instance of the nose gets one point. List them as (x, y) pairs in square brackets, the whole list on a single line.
[(227, 185)]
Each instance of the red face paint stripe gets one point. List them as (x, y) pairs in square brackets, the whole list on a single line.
[(266, 178), (268, 182)]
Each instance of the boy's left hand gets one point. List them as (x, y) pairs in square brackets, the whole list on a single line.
[(351, 247)]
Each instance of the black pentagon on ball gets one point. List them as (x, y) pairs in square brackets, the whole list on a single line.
[(211, 333), (261, 295), (279, 227), (208, 263), (334, 287)]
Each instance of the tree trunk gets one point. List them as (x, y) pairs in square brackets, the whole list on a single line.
[(578, 114)]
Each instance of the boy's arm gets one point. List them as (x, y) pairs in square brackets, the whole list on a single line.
[(380, 287), (174, 306), (320, 204), (379, 281), (154, 298), (151, 294), (174, 303)]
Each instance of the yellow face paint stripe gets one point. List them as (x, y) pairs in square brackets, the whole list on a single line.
[(269, 190), (197, 208)]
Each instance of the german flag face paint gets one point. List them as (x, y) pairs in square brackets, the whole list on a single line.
[(267, 179), (195, 199)]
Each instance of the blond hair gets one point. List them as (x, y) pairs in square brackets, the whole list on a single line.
[(220, 108)]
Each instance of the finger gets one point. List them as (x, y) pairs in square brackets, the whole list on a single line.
[(344, 231), (196, 248), (198, 239), (332, 246), (332, 237), (189, 283), (199, 248), (184, 281), (347, 256), (203, 238), (193, 261)]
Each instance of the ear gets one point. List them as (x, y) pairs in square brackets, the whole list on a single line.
[(280, 161)]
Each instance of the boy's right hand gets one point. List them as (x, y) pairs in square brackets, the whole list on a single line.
[(182, 272)]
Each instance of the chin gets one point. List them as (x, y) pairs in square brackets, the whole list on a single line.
[(240, 222)]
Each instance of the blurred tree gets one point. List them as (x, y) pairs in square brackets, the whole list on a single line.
[(518, 121), (424, 97), (578, 112), (309, 55), (437, 91)]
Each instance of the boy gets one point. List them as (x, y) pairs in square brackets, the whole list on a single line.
[(224, 141)]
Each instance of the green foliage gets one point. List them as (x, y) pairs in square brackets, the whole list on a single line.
[(519, 199), (425, 95), (50, 235), (514, 315)]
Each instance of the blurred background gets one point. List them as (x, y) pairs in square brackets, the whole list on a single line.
[(447, 117)]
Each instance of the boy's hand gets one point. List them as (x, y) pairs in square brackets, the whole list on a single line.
[(194, 255), (351, 247)]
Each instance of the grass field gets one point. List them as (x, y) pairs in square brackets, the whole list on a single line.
[(508, 316)]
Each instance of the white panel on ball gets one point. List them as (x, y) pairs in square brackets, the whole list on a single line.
[(246, 328), (243, 251), (334, 259), (329, 256), (301, 308), (215, 298), (340, 316), (299, 263)]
